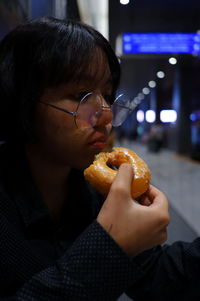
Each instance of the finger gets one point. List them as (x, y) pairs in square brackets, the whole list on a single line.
[(157, 197), (144, 200), (123, 179), (153, 193)]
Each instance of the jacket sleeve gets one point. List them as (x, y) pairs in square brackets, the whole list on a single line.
[(94, 268), (169, 273)]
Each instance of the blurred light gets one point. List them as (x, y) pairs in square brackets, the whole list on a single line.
[(133, 105), (124, 2), (140, 116), (172, 60), (150, 116), (137, 101), (140, 96), (127, 47), (193, 117), (93, 13), (140, 130), (196, 47), (168, 116), (152, 84), (160, 74), (145, 91)]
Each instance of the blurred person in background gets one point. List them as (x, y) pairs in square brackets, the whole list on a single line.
[(155, 139)]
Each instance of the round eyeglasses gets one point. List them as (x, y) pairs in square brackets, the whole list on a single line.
[(93, 107)]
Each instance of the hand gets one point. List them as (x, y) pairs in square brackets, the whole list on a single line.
[(147, 198), (133, 226)]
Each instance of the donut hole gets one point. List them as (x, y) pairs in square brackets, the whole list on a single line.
[(111, 166), (117, 159)]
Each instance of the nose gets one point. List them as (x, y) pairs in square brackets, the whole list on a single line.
[(105, 114)]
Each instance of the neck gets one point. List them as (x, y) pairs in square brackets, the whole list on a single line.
[(50, 178)]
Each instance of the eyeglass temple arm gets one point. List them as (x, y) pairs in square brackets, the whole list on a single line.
[(121, 106), (57, 108)]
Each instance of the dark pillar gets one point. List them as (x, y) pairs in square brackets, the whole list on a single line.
[(181, 103)]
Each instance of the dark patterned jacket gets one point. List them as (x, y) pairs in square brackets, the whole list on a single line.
[(78, 260)]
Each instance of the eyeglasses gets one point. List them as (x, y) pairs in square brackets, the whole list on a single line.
[(92, 107)]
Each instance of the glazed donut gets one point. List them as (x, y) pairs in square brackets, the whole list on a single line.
[(101, 176)]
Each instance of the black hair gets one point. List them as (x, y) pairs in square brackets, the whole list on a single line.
[(43, 53)]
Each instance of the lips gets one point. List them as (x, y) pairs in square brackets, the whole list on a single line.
[(98, 143)]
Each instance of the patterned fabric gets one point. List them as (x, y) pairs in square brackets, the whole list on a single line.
[(39, 260), (94, 268), (79, 260), (171, 273)]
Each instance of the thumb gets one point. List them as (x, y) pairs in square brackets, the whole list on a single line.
[(118, 199), (121, 185)]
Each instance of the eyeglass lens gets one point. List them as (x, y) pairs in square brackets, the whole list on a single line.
[(89, 110), (120, 109), (92, 108)]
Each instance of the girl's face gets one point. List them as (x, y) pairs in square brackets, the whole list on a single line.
[(59, 139)]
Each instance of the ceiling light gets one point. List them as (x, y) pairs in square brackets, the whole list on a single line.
[(160, 74), (145, 91), (172, 60), (137, 100), (124, 2), (150, 116), (140, 96), (140, 116), (152, 84), (168, 116)]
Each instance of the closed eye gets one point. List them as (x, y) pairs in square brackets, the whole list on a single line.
[(79, 96), (108, 98)]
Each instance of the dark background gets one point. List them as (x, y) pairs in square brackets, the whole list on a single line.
[(182, 81)]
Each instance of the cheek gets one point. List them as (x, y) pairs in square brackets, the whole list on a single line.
[(50, 123), (61, 141), (53, 129)]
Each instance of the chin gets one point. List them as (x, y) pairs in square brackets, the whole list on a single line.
[(84, 163), (87, 163)]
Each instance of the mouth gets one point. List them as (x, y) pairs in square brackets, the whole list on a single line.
[(99, 144)]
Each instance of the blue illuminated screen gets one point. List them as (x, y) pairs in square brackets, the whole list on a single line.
[(176, 43)]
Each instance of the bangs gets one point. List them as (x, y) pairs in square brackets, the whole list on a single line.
[(95, 69), (80, 51), (74, 61)]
